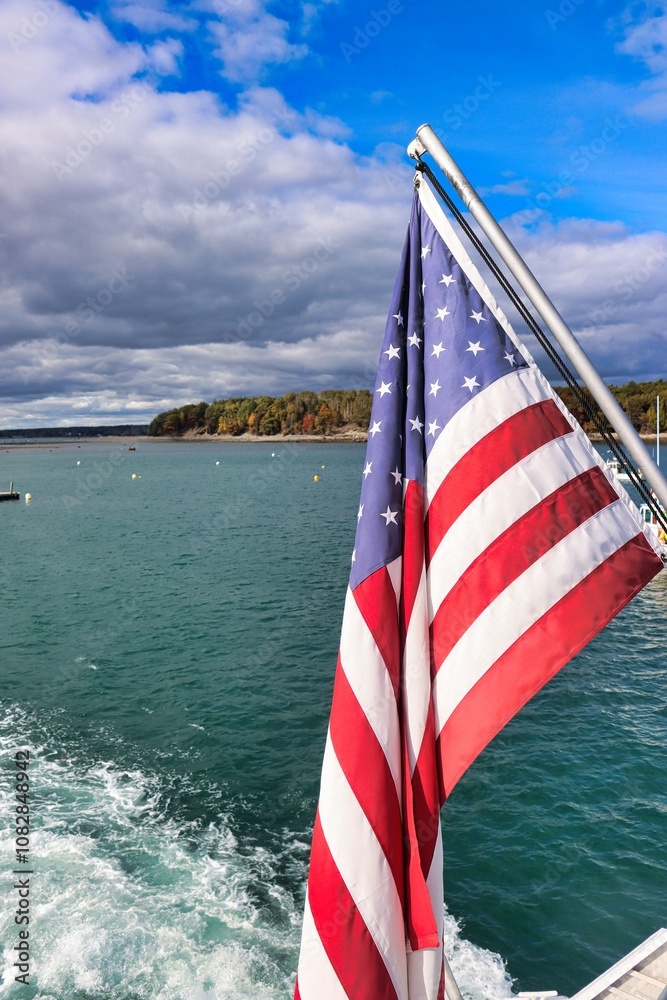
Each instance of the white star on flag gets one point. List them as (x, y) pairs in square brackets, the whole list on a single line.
[(375, 429), (433, 428), (438, 349), (416, 424), (425, 250), (398, 476), (441, 313), (509, 357), (390, 516), (478, 318), (447, 279), (470, 383), (414, 341), (368, 470), (397, 316), (360, 512), (475, 348), (384, 389), (435, 388), (393, 352)]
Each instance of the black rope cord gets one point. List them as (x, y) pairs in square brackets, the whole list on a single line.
[(593, 414)]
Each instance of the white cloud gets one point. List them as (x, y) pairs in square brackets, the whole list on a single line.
[(151, 16), (610, 285), (647, 41), (247, 46), (515, 189), (164, 56), (162, 248), (378, 96), (68, 57)]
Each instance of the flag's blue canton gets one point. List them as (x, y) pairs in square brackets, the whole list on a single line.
[(441, 346)]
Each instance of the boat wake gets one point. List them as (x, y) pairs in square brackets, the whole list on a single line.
[(136, 903)]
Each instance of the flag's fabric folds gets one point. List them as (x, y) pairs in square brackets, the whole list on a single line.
[(491, 546)]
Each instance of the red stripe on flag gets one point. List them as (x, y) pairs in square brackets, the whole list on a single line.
[(511, 441), (418, 799), (343, 933), (376, 599), (365, 766), (426, 802), (509, 555), (540, 653), (420, 922)]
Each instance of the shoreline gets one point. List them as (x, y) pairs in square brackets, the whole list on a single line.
[(359, 437), (353, 437)]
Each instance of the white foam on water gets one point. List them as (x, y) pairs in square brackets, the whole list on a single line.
[(480, 974), (132, 904)]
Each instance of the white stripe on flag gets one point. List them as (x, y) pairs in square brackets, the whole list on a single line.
[(525, 601), (369, 679), (503, 502), (481, 415), (394, 569), (359, 858), (417, 673), (317, 977)]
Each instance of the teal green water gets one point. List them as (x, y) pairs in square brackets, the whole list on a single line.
[(167, 647)]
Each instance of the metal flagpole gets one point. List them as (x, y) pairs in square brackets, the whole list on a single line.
[(428, 142), (452, 991)]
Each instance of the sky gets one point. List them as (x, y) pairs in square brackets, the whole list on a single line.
[(209, 198)]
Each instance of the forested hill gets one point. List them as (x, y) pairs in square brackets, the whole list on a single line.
[(335, 411), (637, 399), (295, 413)]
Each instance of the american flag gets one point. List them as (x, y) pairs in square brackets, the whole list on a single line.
[(491, 546)]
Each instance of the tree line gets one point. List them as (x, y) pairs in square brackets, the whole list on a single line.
[(637, 399), (333, 410), (295, 413)]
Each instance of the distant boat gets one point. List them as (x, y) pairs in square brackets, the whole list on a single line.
[(131, 448), (651, 520), (614, 466)]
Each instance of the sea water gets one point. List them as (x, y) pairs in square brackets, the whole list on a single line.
[(167, 650)]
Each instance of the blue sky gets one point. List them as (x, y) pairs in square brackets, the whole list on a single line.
[(172, 169)]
